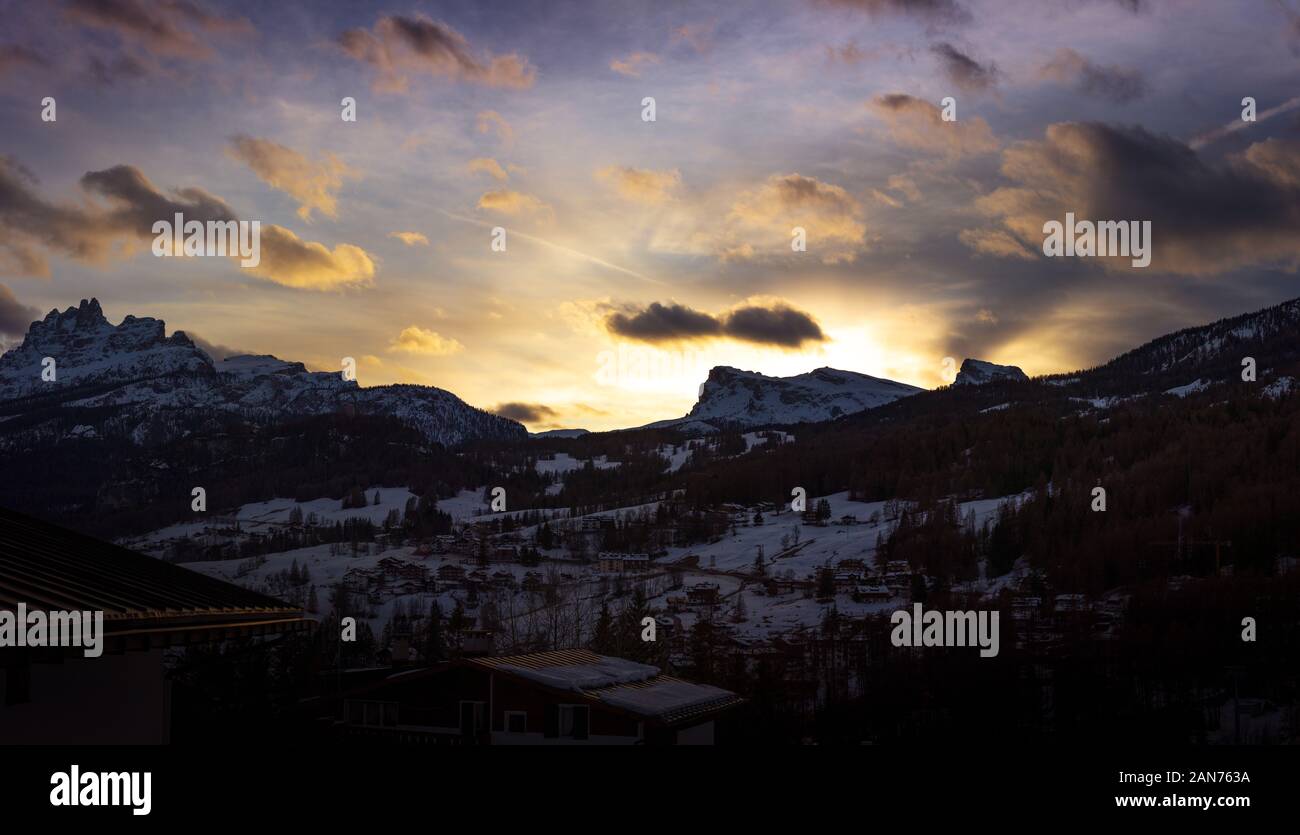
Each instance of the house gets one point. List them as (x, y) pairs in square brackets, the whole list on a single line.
[(703, 594), (450, 573), (58, 695), (503, 580), (872, 593), (567, 697), (624, 563), (504, 553)]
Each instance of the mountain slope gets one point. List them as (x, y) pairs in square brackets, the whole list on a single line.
[(746, 398), (133, 380)]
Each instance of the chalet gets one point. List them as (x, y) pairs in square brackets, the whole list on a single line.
[(852, 564), (57, 696), (1025, 607), (504, 553), (703, 594), (450, 573), (872, 593), (624, 563), (1069, 603), (356, 580), (568, 697), (423, 550), (401, 570), (503, 580)]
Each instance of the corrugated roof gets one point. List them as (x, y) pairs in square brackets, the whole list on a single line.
[(51, 568)]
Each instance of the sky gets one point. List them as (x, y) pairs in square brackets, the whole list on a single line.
[(639, 253)]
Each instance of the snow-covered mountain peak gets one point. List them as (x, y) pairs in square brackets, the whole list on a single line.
[(143, 376), (748, 398)]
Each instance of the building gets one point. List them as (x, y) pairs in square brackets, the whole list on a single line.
[(624, 563), (703, 594), (451, 573), (568, 697), (58, 696)]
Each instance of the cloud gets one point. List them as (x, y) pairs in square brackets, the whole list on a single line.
[(963, 70), (490, 121), (632, 65), (410, 238), (525, 412), (307, 265), (1113, 83), (996, 242), (170, 28), (17, 56), (312, 184), (1205, 219), (417, 340), (773, 323), (699, 36), (122, 67), (30, 227), (212, 349), (641, 185), (15, 317), (1241, 124), (510, 202), (915, 123), (489, 166), (664, 323), (931, 11), (399, 46), (764, 217)]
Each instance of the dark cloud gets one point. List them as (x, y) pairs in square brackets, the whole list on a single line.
[(525, 412), (1114, 83), (664, 323), (931, 11), (15, 317), (963, 70), (400, 45), (1205, 218), (168, 28), (778, 325)]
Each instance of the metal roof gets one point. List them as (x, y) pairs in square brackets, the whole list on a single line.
[(581, 657), (55, 569)]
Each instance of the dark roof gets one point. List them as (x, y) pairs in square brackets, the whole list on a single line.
[(55, 569)]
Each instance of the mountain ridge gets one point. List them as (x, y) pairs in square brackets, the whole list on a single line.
[(135, 370)]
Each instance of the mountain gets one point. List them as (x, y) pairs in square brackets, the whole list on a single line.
[(560, 433), (134, 381), (746, 398), (978, 372)]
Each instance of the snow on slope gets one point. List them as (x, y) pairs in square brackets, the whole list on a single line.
[(747, 398)]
